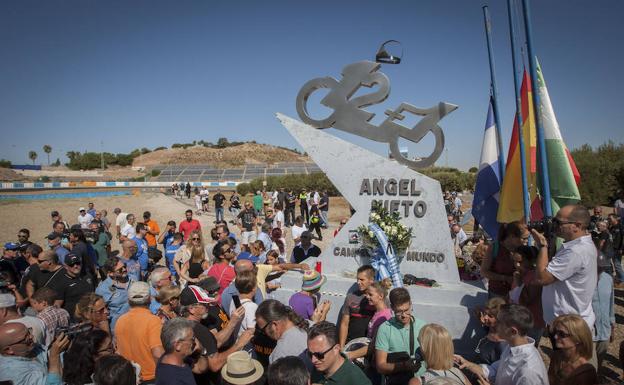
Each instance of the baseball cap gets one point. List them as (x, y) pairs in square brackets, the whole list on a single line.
[(138, 292), (72, 259), (52, 236), (82, 209), (7, 300), (192, 295), (11, 246)]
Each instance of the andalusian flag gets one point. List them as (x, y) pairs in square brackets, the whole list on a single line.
[(564, 176), (511, 206)]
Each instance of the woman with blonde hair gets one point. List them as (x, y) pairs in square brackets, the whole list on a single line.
[(437, 351), (91, 309), (490, 348), (169, 299), (192, 257), (569, 363)]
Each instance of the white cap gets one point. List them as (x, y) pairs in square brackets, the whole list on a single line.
[(82, 209), (7, 300)]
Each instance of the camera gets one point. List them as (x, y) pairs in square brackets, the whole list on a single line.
[(73, 330), (544, 226)]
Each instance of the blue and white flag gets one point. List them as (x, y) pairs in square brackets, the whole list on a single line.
[(487, 189)]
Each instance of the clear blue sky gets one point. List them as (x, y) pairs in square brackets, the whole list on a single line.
[(150, 73)]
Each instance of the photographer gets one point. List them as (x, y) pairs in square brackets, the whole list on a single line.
[(397, 341), (569, 279)]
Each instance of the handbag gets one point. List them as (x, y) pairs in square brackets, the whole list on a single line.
[(401, 378)]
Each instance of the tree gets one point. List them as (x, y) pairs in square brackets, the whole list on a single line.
[(47, 149), (32, 155), (473, 169), (222, 143)]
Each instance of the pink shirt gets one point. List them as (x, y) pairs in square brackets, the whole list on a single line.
[(377, 319), (186, 227), (223, 273)]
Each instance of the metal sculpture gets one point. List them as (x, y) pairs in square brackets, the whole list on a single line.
[(349, 115)]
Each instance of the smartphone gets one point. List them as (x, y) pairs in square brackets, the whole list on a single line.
[(237, 301)]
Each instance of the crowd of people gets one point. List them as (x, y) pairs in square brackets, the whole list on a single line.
[(189, 305)]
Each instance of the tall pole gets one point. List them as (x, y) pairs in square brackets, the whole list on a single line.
[(523, 168), (494, 92), (541, 147)]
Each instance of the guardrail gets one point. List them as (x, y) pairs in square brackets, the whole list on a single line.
[(92, 184)]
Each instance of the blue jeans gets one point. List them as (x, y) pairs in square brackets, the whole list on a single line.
[(219, 214)]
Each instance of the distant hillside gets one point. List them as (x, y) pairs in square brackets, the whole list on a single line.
[(247, 153)]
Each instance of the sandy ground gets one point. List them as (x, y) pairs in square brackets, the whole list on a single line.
[(35, 215)]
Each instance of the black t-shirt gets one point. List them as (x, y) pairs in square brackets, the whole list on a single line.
[(174, 375), (218, 200), (248, 219), (218, 319), (291, 199), (488, 351), (324, 200), (299, 254), (209, 342), (263, 347), (235, 201), (70, 289), (360, 312)]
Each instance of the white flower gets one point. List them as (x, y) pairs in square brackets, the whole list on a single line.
[(371, 234), (382, 225), (393, 231)]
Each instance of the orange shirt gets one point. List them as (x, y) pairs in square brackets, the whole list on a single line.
[(153, 226), (137, 332)]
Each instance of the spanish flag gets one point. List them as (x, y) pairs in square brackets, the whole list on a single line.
[(511, 207)]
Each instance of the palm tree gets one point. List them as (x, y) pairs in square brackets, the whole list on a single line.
[(47, 149), (32, 155)]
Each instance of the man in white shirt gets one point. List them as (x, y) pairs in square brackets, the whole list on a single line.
[(570, 278), (120, 221), (278, 220), (84, 219), (297, 229), (520, 363), (128, 232)]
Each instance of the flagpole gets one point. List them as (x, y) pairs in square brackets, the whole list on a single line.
[(541, 147), (494, 92), (525, 187)]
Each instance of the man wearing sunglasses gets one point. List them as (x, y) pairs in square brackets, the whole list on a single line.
[(70, 285), (330, 365), (114, 289), (24, 362), (570, 278)]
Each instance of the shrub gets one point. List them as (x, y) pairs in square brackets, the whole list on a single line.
[(5, 163)]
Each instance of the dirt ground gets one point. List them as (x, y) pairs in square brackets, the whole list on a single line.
[(35, 215)]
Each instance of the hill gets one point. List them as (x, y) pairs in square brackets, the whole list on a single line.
[(232, 156)]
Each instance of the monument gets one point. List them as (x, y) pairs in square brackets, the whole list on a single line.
[(362, 177)]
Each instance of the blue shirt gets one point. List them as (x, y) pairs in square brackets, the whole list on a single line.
[(115, 297), (226, 297), (141, 253), (133, 267), (170, 252), (154, 305), (28, 371), (61, 253), (91, 212), (602, 303), (167, 239)]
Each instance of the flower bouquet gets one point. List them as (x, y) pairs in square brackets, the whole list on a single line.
[(398, 235)]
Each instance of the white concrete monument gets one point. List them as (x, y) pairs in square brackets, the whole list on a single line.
[(362, 177)]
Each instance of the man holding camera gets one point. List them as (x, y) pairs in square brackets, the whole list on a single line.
[(570, 278), (397, 341)]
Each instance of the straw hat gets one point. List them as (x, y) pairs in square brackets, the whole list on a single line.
[(241, 369), (312, 280)]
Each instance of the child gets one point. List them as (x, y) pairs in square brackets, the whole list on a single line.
[(304, 302), (198, 203), (170, 252), (273, 281), (53, 317), (524, 292), (246, 284)]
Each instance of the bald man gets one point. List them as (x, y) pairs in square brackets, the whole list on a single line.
[(24, 362), (129, 258)]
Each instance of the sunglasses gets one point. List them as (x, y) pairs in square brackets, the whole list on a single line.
[(195, 239), (40, 261), (74, 264), (562, 222), (263, 329), (319, 355), (560, 334)]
